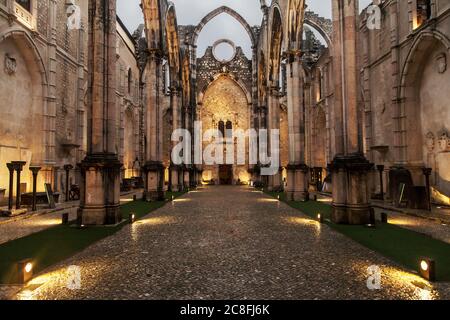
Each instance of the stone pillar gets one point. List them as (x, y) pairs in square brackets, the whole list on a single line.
[(11, 185), (154, 168), (274, 124), (186, 180), (100, 170), (177, 176), (297, 169), (427, 174), (380, 169), (18, 166), (67, 169), (35, 171), (349, 168)]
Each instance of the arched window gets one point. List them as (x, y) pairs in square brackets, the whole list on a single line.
[(26, 4), (130, 80), (229, 133), (222, 128)]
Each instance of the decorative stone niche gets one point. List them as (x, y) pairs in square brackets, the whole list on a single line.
[(441, 63), (10, 65)]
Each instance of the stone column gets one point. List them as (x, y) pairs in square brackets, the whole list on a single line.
[(380, 169), (18, 166), (427, 174), (154, 168), (100, 170), (349, 167), (11, 185), (274, 124), (67, 169), (35, 171), (177, 181), (297, 169)]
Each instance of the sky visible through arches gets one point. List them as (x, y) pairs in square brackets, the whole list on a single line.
[(223, 26)]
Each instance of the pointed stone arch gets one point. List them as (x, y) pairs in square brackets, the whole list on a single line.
[(322, 25), (276, 43), (152, 20), (294, 28), (408, 94), (227, 10), (172, 41)]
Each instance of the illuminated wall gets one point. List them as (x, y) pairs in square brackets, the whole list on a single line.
[(225, 100)]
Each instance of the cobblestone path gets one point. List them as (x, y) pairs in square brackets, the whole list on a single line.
[(229, 243)]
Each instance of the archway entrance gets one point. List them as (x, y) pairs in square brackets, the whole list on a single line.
[(226, 174), (225, 107)]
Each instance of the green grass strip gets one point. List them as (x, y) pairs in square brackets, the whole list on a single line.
[(58, 243), (403, 246)]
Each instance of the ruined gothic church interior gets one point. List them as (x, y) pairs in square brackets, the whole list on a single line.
[(362, 113)]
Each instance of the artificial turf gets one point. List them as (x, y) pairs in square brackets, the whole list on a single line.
[(403, 246), (58, 243)]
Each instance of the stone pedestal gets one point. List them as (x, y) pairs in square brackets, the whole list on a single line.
[(154, 174), (297, 180), (175, 172), (18, 166), (100, 193), (35, 172), (275, 182), (186, 178), (350, 192)]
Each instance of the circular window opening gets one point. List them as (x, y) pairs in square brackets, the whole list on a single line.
[(224, 50)]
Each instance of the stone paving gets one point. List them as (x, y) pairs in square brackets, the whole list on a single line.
[(229, 243)]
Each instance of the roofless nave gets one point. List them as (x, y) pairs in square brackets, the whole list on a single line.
[(101, 104)]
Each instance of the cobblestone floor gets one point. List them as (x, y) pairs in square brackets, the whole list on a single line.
[(229, 243)]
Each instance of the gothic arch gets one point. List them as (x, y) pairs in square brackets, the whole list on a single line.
[(172, 41), (218, 76), (294, 28), (152, 19), (25, 43), (276, 41), (210, 16), (43, 144), (322, 25), (408, 93)]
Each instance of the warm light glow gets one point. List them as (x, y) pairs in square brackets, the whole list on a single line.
[(28, 267), (267, 200), (424, 265), (181, 200), (157, 221), (126, 200)]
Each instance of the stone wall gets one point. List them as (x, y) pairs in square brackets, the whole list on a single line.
[(43, 120)]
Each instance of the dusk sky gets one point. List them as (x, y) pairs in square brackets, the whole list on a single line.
[(223, 26)]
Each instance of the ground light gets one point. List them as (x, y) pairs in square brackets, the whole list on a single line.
[(65, 218), (25, 271), (131, 218), (320, 218), (427, 269)]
